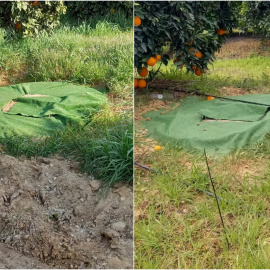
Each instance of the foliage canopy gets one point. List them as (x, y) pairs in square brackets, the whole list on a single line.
[(193, 30)]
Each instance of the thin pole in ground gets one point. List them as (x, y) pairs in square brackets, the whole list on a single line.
[(212, 182)]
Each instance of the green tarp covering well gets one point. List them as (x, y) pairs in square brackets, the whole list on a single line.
[(219, 126), (39, 108)]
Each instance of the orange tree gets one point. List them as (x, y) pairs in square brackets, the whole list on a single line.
[(255, 16), (83, 10), (194, 31), (30, 18)]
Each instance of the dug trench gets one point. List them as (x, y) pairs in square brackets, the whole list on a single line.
[(53, 216)]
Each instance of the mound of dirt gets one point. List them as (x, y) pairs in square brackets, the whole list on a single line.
[(51, 216)]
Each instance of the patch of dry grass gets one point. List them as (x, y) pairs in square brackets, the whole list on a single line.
[(243, 47)]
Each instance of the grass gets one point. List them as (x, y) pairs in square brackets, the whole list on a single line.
[(177, 224), (122, 21), (97, 53), (104, 151), (251, 73), (92, 54)]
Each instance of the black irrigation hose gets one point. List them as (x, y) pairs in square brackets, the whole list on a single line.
[(185, 183), (145, 167), (209, 193), (197, 92)]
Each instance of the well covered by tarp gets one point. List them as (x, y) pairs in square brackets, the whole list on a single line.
[(39, 108), (219, 126)]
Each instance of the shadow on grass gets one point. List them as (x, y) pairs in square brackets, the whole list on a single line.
[(118, 19)]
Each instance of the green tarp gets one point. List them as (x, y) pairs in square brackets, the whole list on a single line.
[(40, 108), (219, 126)]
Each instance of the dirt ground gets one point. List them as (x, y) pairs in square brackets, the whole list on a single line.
[(3, 80), (52, 216), (244, 46)]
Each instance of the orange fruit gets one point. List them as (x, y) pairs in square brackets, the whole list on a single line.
[(112, 10), (191, 42), (194, 67), (137, 21), (157, 148), (191, 50), (198, 72), (141, 83), (18, 26), (221, 32), (158, 57), (151, 61), (175, 60), (198, 54), (210, 98), (135, 83), (143, 72), (35, 3)]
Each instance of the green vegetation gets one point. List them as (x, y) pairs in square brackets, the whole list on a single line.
[(97, 53), (252, 73), (31, 18), (179, 226), (117, 19), (255, 15), (104, 151), (83, 10), (82, 54), (194, 31)]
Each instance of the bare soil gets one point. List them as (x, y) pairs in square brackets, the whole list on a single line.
[(3, 80), (52, 216), (174, 90), (242, 47), (234, 91)]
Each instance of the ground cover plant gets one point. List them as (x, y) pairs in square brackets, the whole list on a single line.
[(177, 224)]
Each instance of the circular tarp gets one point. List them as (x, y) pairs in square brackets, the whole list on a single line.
[(219, 126), (39, 108)]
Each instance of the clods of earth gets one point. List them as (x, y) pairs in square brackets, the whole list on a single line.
[(52, 216)]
